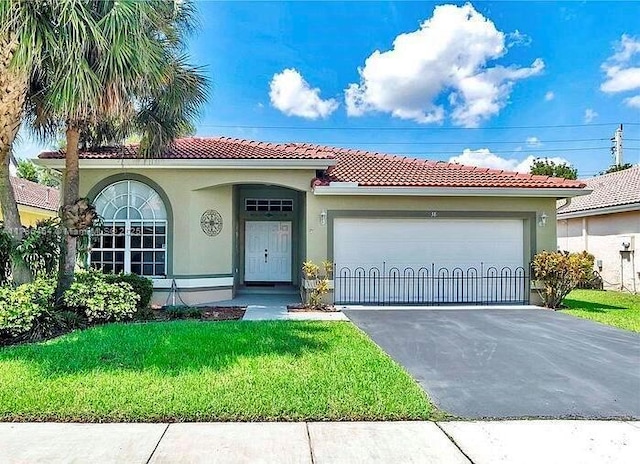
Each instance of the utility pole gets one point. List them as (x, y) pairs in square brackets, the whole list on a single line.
[(616, 146)]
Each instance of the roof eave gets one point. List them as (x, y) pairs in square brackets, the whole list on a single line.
[(350, 188), (600, 211), (191, 163)]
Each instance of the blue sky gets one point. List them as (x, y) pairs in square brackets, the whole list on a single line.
[(473, 82)]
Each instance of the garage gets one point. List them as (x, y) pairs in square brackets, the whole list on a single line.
[(430, 261)]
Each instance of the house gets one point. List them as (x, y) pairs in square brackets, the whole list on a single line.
[(35, 201), (213, 216), (606, 223)]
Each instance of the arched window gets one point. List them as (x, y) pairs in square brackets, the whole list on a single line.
[(133, 237)]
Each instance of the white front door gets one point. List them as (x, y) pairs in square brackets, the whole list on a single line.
[(267, 256)]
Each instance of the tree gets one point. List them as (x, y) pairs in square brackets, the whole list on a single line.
[(616, 168), (42, 175), (130, 75), (547, 167), (27, 29)]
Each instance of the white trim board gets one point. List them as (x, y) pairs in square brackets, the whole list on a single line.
[(450, 191), (192, 163), (210, 282)]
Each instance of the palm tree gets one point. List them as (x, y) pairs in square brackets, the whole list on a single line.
[(130, 76), (97, 71), (19, 53)]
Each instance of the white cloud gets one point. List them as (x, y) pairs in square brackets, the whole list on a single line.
[(633, 102), (533, 142), (589, 115), (518, 39), (622, 69), (484, 158), (292, 95), (549, 96), (445, 59)]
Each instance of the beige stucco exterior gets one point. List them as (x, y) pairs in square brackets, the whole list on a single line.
[(602, 236), (208, 268)]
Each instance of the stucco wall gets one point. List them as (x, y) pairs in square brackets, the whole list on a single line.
[(602, 237), (317, 234), (194, 255), (29, 215), (191, 193)]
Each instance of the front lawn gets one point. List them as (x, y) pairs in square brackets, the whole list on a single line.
[(612, 308), (207, 371)]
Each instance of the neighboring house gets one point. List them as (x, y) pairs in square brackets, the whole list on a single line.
[(606, 223), (35, 202), (212, 216)]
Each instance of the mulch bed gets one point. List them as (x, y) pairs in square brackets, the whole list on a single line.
[(208, 313), (301, 308), (223, 313)]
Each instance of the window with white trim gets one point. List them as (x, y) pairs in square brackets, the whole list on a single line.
[(133, 237)]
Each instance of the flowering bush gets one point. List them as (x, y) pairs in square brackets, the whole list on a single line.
[(560, 272)]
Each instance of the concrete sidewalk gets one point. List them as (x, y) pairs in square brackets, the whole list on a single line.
[(535, 441)]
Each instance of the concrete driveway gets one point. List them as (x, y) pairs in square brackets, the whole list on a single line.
[(509, 363)]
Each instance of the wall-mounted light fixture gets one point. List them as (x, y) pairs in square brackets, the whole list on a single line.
[(542, 220), (323, 217)]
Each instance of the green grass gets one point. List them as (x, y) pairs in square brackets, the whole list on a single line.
[(199, 371), (612, 308)]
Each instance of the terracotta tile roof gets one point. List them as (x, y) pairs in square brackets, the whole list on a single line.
[(209, 148), (29, 193), (365, 168), (615, 189), (373, 169)]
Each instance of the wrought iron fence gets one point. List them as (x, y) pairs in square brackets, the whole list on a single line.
[(431, 285)]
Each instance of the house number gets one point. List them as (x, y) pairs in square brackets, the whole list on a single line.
[(433, 214)]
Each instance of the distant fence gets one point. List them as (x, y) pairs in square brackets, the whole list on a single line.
[(432, 285)]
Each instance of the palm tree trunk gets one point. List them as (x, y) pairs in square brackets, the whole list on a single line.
[(70, 193), (13, 88)]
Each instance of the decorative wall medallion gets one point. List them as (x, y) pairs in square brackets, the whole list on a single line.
[(211, 222)]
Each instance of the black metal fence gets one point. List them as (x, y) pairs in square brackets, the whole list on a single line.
[(432, 286)]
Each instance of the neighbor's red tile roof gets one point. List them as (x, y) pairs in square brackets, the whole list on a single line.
[(365, 168), (36, 195)]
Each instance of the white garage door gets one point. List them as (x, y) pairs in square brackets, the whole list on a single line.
[(429, 261)]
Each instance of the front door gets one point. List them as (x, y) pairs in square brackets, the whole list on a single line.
[(267, 256)]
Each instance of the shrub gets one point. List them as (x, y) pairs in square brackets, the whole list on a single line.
[(141, 285), (183, 312), (560, 272), (26, 308), (40, 247), (100, 300), (318, 284)]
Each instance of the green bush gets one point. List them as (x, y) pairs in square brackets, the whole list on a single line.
[(40, 247), (560, 272), (27, 307), (100, 300), (143, 286), (183, 312)]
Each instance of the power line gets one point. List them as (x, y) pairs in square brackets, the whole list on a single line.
[(524, 152), (483, 142), (387, 128)]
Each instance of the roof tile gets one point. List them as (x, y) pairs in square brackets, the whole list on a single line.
[(614, 189), (36, 195), (352, 165)]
